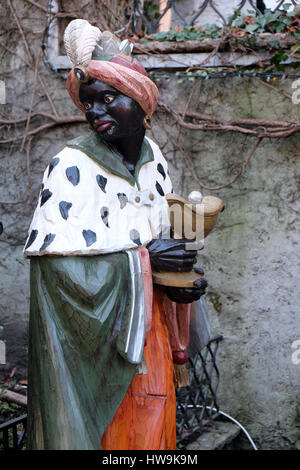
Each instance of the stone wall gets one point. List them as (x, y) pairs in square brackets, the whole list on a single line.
[(251, 259)]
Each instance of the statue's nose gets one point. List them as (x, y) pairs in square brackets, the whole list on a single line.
[(99, 109)]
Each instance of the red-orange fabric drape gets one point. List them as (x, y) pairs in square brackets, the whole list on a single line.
[(146, 418)]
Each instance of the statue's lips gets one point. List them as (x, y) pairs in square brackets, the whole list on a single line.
[(102, 125)]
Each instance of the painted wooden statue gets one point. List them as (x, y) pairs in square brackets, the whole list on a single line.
[(100, 360)]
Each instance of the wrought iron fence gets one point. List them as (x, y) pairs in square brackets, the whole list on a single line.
[(196, 404), (12, 433), (149, 14)]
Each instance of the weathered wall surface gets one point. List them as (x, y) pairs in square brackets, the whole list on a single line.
[(251, 259)]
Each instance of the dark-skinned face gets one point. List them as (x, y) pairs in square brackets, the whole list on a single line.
[(113, 115)]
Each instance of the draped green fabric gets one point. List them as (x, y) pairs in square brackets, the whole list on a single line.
[(77, 378)]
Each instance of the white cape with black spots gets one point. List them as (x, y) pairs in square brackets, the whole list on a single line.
[(84, 209)]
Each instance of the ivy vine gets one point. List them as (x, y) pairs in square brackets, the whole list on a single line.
[(280, 21)]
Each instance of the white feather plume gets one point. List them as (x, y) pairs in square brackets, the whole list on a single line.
[(80, 39)]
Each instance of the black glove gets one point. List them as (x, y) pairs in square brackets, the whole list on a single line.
[(171, 255), (186, 295)]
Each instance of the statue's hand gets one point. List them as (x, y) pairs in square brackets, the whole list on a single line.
[(186, 295), (171, 255)]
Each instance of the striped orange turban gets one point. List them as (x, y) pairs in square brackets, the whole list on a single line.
[(124, 73)]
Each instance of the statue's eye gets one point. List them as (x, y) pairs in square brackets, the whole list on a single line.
[(108, 99), (87, 106)]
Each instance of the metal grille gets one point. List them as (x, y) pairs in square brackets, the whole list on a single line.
[(197, 404), (12, 433), (151, 25)]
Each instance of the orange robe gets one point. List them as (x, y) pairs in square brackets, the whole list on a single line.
[(146, 418)]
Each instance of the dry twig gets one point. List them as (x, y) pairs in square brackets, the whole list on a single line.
[(36, 4), (30, 56), (53, 123), (264, 128), (32, 100), (241, 172)]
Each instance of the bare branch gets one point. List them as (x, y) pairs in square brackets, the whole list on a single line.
[(56, 122), (32, 100), (216, 124), (41, 7), (241, 172)]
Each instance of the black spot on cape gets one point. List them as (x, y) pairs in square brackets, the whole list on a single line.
[(45, 195), (73, 175), (64, 208), (89, 236), (47, 241), (31, 238), (101, 180)]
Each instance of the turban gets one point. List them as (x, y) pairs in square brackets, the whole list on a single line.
[(124, 73)]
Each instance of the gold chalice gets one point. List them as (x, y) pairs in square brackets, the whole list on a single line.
[(192, 219)]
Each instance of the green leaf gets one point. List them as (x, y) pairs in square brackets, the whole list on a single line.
[(286, 6), (269, 18), (280, 27), (236, 14), (159, 36), (239, 22), (286, 20), (294, 65), (279, 57), (277, 14), (251, 27), (261, 21)]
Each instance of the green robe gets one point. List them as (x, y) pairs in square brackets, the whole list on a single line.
[(77, 378)]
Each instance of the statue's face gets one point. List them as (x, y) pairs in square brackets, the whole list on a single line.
[(112, 114)]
